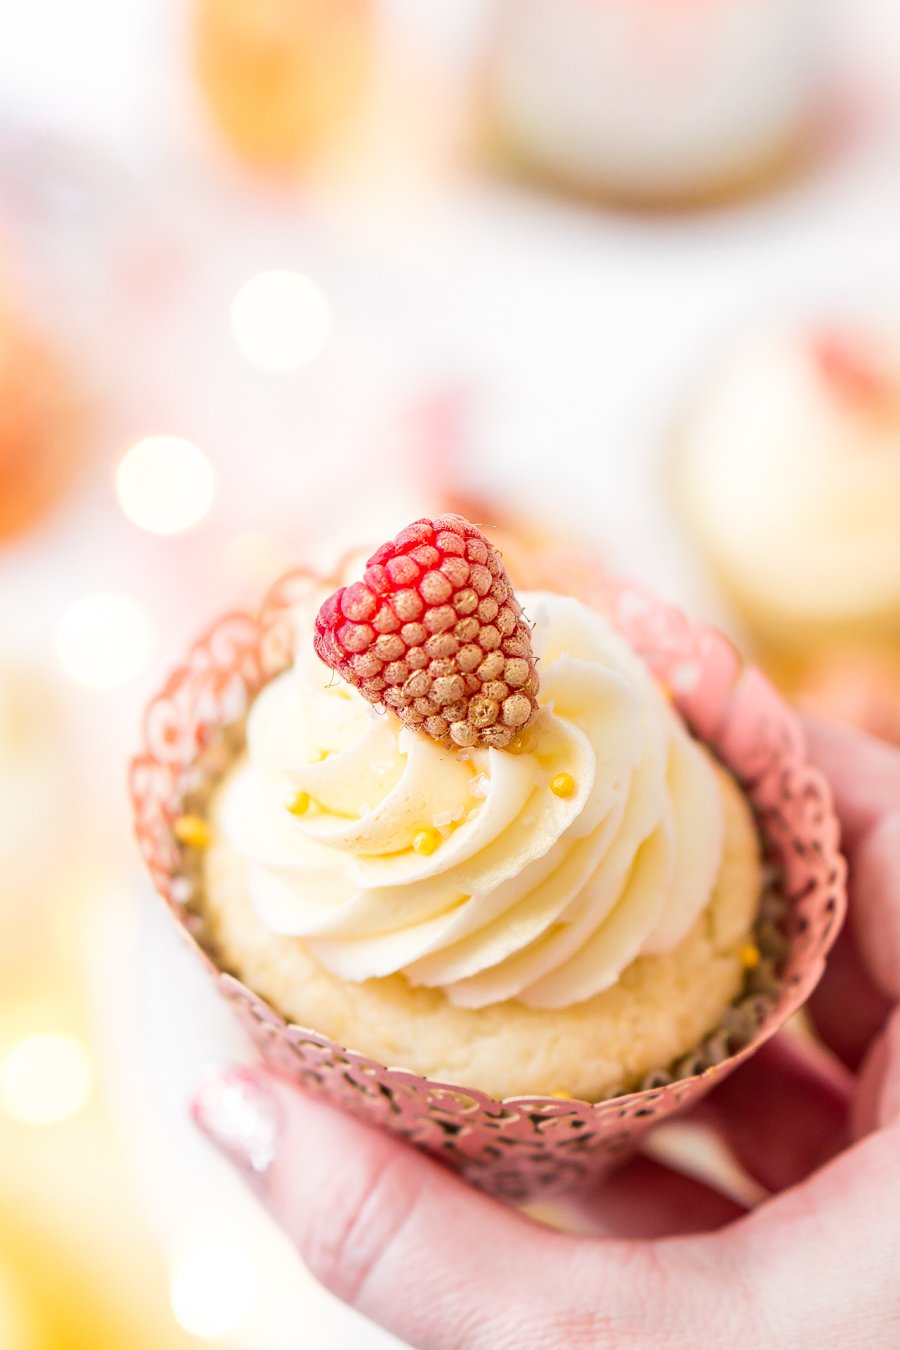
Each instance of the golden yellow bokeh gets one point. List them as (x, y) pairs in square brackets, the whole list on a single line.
[(282, 77)]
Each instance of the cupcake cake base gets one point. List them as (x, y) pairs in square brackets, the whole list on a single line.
[(660, 1009)]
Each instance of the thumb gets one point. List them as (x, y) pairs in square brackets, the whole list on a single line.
[(878, 1095), (400, 1238)]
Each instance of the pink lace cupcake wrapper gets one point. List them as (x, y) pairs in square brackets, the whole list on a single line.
[(525, 1146)]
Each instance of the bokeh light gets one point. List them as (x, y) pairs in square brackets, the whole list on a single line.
[(165, 484), (45, 1079), (104, 640), (16, 1329), (212, 1287), (280, 321)]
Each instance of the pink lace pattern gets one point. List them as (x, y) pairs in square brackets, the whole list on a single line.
[(524, 1146)]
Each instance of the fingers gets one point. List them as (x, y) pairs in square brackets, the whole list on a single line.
[(646, 1199), (819, 1261), (864, 775), (784, 1113), (862, 976), (820, 1258), (393, 1233), (875, 886), (414, 1248), (845, 1008), (877, 1101)]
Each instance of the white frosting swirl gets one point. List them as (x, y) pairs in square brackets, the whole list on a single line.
[(528, 894)]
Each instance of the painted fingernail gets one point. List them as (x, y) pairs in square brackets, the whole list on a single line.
[(238, 1110)]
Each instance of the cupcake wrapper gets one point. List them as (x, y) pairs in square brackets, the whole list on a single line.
[(521, 1147)]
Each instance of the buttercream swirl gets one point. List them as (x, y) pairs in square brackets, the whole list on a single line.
[(527, 894)]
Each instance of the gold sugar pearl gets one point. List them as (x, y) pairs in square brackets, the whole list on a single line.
[(750, 956), (299, 803), (562, 1095), (426, 841), (192, 831), (562, 785)]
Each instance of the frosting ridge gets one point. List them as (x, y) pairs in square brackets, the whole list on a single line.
[(518, 890)]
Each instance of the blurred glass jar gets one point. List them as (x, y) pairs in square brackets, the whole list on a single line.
[(283, 78), (654, 102), (787, 473)]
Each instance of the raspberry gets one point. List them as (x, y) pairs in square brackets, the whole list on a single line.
[(434, 633), (851, 370)]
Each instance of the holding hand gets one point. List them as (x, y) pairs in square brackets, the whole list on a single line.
[(666, 1261)]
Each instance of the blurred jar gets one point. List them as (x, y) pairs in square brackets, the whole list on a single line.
[(283, 79), (654, 102), (40, 423), (787, 473)]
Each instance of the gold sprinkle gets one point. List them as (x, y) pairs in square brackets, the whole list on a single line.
[(750, 956), (192, 831), (562, 1095), (666, 691), (426, 841), (298, 804), (563, 785)]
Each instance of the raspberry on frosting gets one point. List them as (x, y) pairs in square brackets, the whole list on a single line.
[(434, 632)]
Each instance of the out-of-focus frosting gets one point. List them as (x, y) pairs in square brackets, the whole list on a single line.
[(793, 479), (528, 894), (643, 97)]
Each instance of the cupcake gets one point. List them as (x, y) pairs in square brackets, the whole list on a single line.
[(788, 475), (652, 104), (486, 848)]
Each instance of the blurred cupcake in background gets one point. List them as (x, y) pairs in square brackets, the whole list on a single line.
[(40, 422), (283, 79), (540, 554), (653, 102), (788, 475)]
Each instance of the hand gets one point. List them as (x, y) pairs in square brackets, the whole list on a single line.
[(669, 1262)]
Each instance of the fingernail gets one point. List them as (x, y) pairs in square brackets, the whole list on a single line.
[(238, 1110)]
